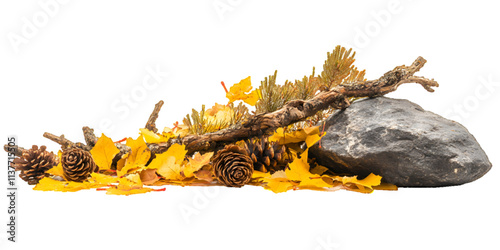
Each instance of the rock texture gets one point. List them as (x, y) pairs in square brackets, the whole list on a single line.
[(406, 145)]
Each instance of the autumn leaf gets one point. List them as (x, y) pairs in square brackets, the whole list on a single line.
[(152, 137), (138, 156), (117, 191), (149, 176), (102, 179), (196, 163), (310, 135), (239, 92), (103, 152), (170, 170), (365, 185), (219, 114), (49, 184), (204, 174), (278, 182)]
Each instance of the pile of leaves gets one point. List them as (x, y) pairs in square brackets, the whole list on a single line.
[(141, 170)]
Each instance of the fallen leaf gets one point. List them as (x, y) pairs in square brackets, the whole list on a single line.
[(102, 179), (149, 176), (138, 156), (117, 191), (196, 163), (204, 174), (278, 182), (103, 152), (170, 170), (49, 184), (364, 185)]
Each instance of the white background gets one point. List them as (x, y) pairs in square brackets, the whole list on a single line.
[(82, 60)]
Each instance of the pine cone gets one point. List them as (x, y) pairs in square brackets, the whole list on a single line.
[(266, 156), (232, 166), (77, 164), (33, 163)]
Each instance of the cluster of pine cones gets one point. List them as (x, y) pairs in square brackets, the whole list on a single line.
[(34, 163), (233, 166)]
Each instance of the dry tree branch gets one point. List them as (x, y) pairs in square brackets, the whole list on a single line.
[(298, 110)]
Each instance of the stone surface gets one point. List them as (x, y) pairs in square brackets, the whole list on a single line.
[(406, 145)]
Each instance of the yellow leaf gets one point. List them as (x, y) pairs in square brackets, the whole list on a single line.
[(310, 135), (49, 184), (176, 150), (219, 114), (170, 170), (298, 169), (252, 98), (368, 182), (138, 156), (278, 182), (103, 152), (117, 191), (152, 137), (239, 92), (258, 174), (197, 162), (102, 179)]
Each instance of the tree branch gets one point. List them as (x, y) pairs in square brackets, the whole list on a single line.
[(298, 110)]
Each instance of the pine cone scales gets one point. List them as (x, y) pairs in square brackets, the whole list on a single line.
[(266, 156), (34, 163), (77, 164), (232, 166)]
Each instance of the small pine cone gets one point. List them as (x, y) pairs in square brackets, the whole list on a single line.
[(34, 163), (266, 156), (77, 164), (232, 166)]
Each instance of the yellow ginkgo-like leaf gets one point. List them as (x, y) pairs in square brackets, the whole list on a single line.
[(152, 137), (103, 152), (239, 92), (196, 163), (138, 156)]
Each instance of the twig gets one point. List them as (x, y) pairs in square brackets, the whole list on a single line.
[(298, 110), (90, 137), (18, 151), (152, 118), (65, 143)]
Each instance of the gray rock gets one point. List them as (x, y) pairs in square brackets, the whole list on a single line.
[(400, 141)]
